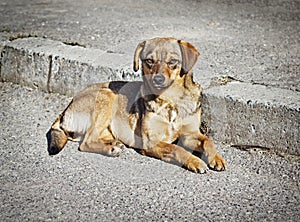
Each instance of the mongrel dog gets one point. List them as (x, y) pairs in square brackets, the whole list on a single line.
[(159, 116)]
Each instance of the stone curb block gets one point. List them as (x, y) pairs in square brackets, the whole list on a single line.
[(56, 67), (237, 113), (245, 114)]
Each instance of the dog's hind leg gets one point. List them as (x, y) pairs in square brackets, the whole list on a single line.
[(103, 142), (99, 137), (106, 147)]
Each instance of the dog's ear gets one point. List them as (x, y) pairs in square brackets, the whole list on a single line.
[(189, 56), (137, 53)]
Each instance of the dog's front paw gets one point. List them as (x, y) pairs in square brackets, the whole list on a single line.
[(217, 163), (196, 165)]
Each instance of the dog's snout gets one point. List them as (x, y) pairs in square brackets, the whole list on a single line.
[(158, 79)]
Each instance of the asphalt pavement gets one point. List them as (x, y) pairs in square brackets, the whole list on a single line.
[(249, 69), (76, 186)]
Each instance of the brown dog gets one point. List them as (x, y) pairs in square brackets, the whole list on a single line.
[(159, 116)]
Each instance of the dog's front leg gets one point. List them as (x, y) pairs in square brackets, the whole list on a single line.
[(202, 144), (176, 154)]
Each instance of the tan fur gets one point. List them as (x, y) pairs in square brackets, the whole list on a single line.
[(160, 116)]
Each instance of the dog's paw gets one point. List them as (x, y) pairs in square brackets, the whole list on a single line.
[(196, 165), (116, 148), (217, 163)]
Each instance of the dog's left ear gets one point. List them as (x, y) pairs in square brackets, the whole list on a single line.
[(137, 53), (189, 56)]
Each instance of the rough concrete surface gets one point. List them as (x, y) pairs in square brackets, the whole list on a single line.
[(76, 186), (248, 67), (56, 67), (245, 114)]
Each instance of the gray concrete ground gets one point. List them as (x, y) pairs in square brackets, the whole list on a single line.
[(75, 186), (249, 68)]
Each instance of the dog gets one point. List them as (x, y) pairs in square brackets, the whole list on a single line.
[(160, 116)]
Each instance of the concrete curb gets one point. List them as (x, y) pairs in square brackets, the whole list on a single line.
[(56, 67), (236, 113), (254, 115)]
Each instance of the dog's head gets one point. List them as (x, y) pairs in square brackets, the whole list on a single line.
[(164, 60)]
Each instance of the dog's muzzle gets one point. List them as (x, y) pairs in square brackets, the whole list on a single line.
[(158, 81)]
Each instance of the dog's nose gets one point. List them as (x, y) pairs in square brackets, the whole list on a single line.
[(158, 79)]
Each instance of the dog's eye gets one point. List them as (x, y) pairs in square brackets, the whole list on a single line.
[(149, 61), (173, 63)]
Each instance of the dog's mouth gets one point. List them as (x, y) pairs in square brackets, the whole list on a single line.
[(159, 82), (160, 87)]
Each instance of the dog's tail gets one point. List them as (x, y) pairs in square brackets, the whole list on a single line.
[(56, 137)]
